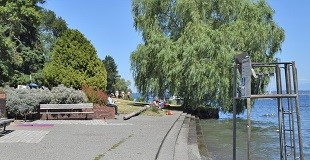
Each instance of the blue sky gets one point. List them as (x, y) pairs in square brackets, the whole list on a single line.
[(292, 16), (108, 24)]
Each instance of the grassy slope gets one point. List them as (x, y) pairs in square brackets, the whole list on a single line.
[(126, 107)]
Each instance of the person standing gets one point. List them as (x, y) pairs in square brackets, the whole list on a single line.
[(128, 95), (116, 94)]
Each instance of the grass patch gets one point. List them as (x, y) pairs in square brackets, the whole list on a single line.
[(99, 156), (126, 107), (117, 144)]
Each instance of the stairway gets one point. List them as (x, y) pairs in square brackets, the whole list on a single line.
[(182, 141)]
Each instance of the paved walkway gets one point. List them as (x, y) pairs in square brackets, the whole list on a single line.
[(23, 136), (138, 138)]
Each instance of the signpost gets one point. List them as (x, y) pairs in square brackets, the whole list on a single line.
[(246, 73), (286, 112), (245, 93)]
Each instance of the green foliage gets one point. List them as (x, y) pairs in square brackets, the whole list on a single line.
[(154, 109), (21, 19), (52, 24), (5, 60), (140, 99), (172, 102), (64, 95), (114, 81), (75, 62), (189, 46), (2, 90), (95, 96), (21, 51), (51, 28), (121, 84), (22, 101), (112, 73)]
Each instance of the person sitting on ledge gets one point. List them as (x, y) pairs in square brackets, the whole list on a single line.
[(155, 102), (112, 104)]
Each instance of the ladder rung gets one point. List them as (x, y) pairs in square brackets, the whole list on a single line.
[(289, 146), (288, 112), (290, 130)]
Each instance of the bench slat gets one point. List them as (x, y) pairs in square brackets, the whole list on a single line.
[(66, 109), (67, 106), (66, 112)]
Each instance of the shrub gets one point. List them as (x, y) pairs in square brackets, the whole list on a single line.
[(96, 96), (141, 99), (154, 109), (2, 90), (64, 95), (22, 101), (172, 101)]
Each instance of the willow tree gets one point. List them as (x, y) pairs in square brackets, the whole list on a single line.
[(189, 46)]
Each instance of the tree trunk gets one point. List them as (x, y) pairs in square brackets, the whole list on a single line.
[(128, 116)]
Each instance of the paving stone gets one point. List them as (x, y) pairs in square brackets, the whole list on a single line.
[(23, 136), (83, 122)]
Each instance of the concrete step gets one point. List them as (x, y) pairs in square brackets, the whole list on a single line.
[(183, 141), (166, 152), (202, 146), (181, 145), (193, 150)]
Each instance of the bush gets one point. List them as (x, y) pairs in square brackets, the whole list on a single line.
[(22, 101), (141, 99), (2, 90), (154, 109), (96, 96), (64, 95)]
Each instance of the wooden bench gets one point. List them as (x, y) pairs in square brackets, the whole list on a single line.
[(5, 122), (66, 110)]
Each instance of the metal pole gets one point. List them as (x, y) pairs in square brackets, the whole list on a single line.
[(248, 104), (283, 115), (234, 113), (279, 91), (298, 111), (290, 108)]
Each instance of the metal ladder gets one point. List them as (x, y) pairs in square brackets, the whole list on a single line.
[(290, 139), (289, 114)]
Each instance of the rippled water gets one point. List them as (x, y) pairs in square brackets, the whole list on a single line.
[(264, 135)]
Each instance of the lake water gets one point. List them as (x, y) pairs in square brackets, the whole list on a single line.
[(264, 135)]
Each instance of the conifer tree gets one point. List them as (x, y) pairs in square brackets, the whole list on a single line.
[(75, 63)]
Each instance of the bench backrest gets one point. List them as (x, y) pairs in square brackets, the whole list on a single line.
[(67, 106), (5, 121)]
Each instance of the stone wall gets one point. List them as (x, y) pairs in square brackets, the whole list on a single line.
[(104, 112)]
